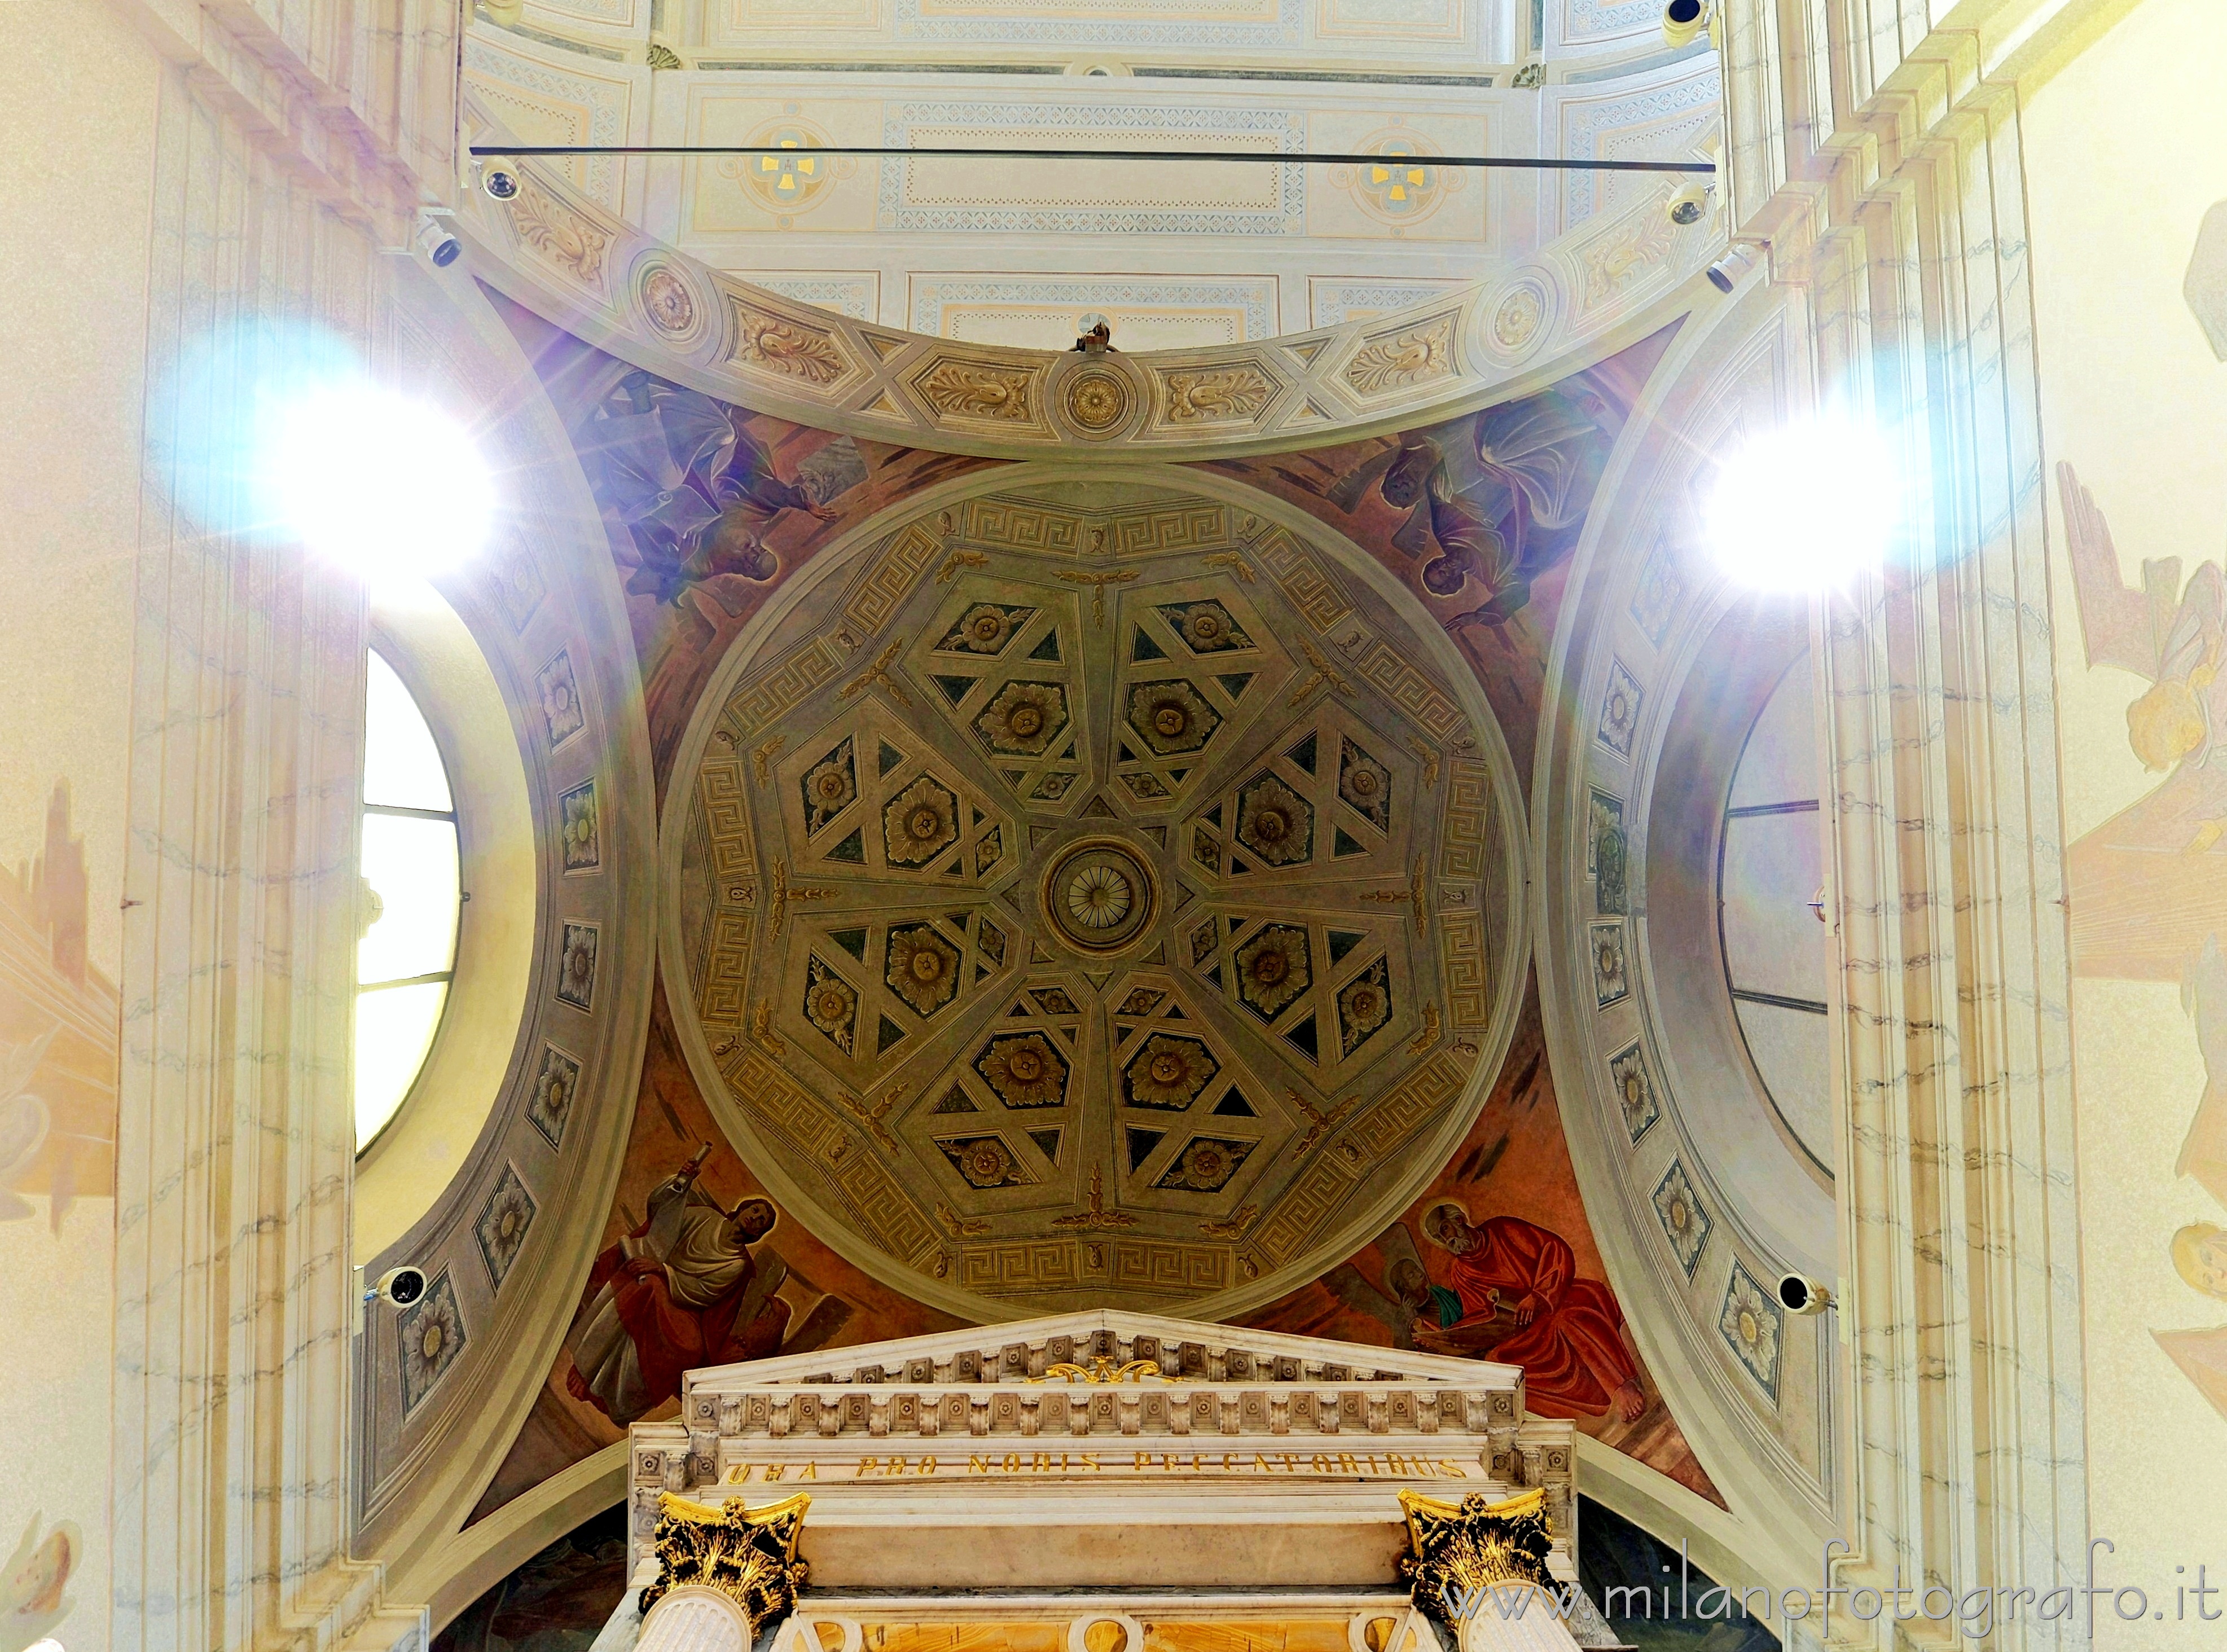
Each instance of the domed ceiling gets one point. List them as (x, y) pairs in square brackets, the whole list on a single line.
[(1097, 882), (1085, 906)]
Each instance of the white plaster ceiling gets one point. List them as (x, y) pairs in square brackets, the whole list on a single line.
[(1177, 256)]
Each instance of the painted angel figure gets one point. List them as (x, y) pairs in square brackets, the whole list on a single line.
[(2148, 887), (698, 493)]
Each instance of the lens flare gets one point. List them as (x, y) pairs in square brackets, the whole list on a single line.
[(381, 482), (1809, 506)]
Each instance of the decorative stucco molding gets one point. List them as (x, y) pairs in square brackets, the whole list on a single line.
[(1615, 278)]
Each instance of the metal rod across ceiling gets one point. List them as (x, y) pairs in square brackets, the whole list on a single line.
[(1512, 163)]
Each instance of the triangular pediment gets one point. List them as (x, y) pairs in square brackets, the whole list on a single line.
[(1104, 1343)]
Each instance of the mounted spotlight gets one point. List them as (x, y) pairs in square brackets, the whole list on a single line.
[(435, 241), (1798, 1295), (1690, 204), (501, 184), (1731, 269), (1683, 20)]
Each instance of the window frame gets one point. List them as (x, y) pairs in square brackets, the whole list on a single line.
[(379, 643)]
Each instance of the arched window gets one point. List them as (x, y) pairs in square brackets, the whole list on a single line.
[(1770, 910), (407, 958)]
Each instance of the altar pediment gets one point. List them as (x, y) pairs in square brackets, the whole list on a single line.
[(1105, 1450)]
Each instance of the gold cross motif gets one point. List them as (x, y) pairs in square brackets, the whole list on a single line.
[(961, 1226), (1323, 672), (1234, 1227), (957, 560), (872, 1116), (1098, 1215), (783, 893), (1429, 1035), (762, 1034), (1098, 583), (1323, 1123), (879, 672), (1232, 561)]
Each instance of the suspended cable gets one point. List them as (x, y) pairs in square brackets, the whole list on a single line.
[(1510, 162)]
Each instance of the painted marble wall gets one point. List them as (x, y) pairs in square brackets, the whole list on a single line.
[(76, 142), (2120, 146), (1483, 547)]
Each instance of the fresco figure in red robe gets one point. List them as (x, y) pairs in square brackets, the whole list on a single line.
[(1511, 1292), (681, 1292)]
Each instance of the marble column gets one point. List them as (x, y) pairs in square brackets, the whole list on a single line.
[(1961, 1283), (236, 1137)]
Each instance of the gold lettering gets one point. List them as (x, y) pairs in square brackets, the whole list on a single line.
[(1346, 1465), (1452, 1469), (1012, 1465), (928, 1465), (811, 1471), (977, 1465), (868, 1466), (773, 1471), (738, 1474)]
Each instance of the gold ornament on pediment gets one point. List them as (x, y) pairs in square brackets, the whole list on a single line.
[(1104, 1370), (747, 1555)]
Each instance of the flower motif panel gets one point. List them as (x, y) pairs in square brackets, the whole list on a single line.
[(549, 1104), (1024, 1070), (1204, 1165), (582, 844), (1686, 1221), (1188, 676), (429, 1336), (830, 787), (986, 629), (831, 1003), (1611, 981), (1205, 627), (919, 823), (1364, 1005), (576, 966), (502, 1223), (921, 968), (1273, 968), (865, 795), (1635, 1093), (1169, 1072), (560, 699), (1365, 785), (986, 1161), (1753, 1323), (1004, 672), (1620, 718)]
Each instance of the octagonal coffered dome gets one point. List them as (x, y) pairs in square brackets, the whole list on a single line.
[(1095, 893)]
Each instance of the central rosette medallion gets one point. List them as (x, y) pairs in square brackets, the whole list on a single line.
[(1099, 895), (1084, 903)]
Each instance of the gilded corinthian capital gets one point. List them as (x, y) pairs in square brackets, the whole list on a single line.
[(1456, 1550), (747, 1555)]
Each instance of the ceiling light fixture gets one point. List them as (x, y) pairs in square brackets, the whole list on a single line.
[(1808, 507), (380, 483)]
